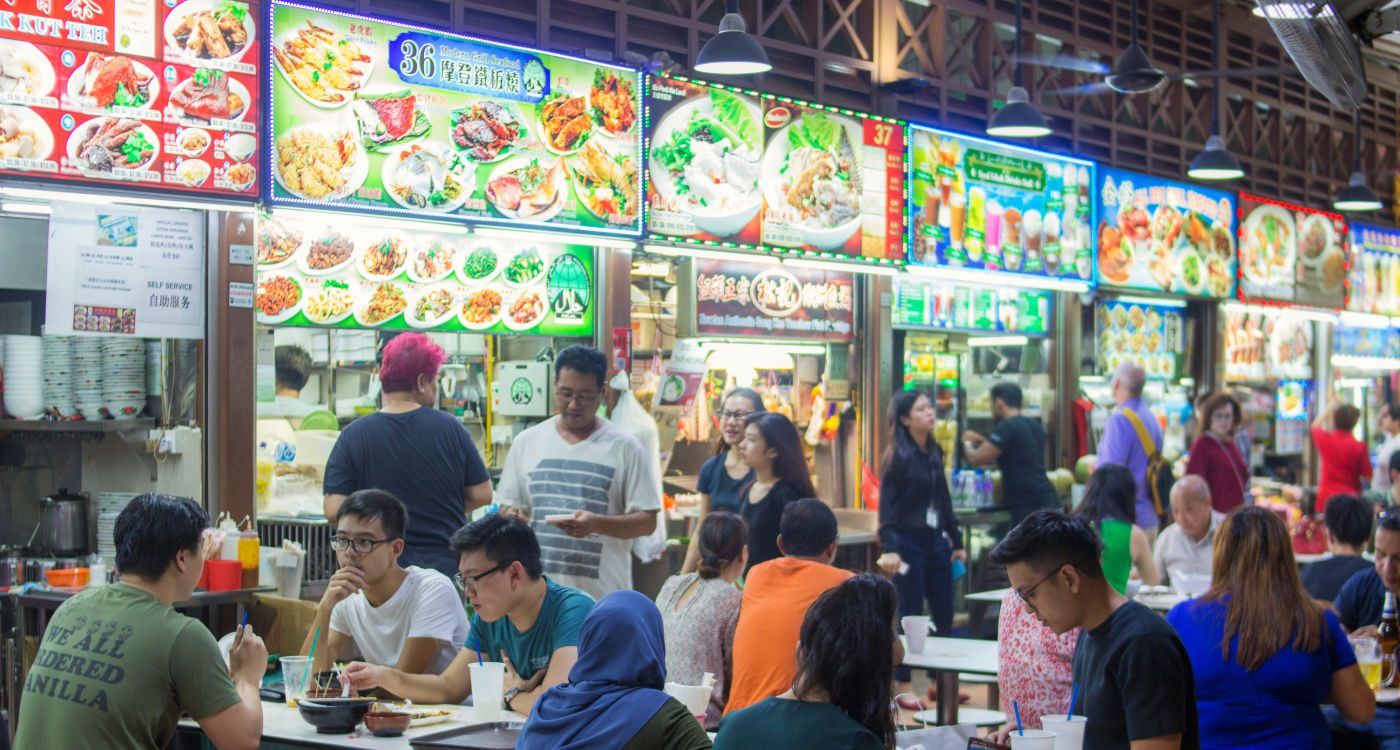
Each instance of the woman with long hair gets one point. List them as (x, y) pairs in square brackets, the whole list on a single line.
[(773, 450), (1265, 656), (919, 536), (724, 475), (1214, 454), (701, 610), (1110, 504), (836, 700)]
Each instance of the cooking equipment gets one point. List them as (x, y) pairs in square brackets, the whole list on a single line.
[(11, 568), (63, 523)]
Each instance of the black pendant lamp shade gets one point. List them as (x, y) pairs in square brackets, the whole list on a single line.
[(733, 51)]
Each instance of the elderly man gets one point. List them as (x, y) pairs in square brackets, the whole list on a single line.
[(1185, 547), (1121, 443)]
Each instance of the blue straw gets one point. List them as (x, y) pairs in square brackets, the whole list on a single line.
[(477, 643), (245, 620), (1016, 706), (1073, 694)]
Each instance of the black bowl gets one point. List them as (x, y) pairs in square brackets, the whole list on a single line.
[(334, 715)]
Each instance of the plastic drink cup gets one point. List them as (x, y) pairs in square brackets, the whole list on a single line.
[(696, 698), (295, 677), (959, 224), (993, 226), (1032, 739), (916, 632), (1069, 730), (488, 689)]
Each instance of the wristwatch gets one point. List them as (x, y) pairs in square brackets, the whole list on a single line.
[(510, 696)]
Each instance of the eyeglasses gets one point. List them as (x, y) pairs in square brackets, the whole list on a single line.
[(586, 397), (1026, 595), (736, 415), (362, 546), (468, 583)]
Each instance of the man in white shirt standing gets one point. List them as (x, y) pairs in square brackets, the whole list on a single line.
[(1390, 435), (292, 365), (1186, 547), (411, 618), (588, 487)]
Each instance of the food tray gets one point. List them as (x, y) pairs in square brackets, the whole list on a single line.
[(497, 735)]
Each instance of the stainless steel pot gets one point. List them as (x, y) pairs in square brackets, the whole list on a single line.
[(63, 523)]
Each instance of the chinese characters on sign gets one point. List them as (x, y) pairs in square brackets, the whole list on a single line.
[(752, 299)]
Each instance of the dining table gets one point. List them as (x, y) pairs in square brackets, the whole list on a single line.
[(1158, 598), (946, 658), (283, 727)]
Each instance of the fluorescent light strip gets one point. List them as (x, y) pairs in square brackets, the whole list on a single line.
[(33, 209), (998, 341), (373, 222), (110, 198), (997, 280), (827, 265), (682, 251), (1155, 301), (1355, 383), (1321, 316), (1379, 364), (1365, 320), (740, 348)]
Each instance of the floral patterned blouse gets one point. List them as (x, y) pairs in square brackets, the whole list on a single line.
[(700, 635), (1035, 667)]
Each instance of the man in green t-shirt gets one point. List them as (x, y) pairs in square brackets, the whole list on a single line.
[(118, 665), (522, 618)]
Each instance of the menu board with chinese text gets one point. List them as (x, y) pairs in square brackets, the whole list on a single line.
[(1292, 254), (986, 205), (1153, 336), (733, 298), (385, 117), (131, 92), (1375, 270), (955, 307), (317, 271), (1165, 236)]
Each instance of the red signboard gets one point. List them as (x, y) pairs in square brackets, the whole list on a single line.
[(160, 94), (752, 299)]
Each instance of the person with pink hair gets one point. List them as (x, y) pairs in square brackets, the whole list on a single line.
[(408, 448)]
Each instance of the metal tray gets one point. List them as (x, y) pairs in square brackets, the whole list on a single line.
[(497, 735)]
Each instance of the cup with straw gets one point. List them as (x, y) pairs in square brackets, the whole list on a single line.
[(1068, 728)]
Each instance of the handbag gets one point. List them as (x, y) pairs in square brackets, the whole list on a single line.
[(1310, 536)]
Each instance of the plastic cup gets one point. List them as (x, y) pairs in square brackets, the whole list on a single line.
[(1069, 730), (295, 678), (696, 698), (1032, 739), (488, 689), (916, 632)]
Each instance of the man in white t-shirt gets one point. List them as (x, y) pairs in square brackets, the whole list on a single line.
[(411, 618), (589, 487)]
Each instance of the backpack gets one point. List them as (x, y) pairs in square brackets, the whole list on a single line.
[(1159, 471)]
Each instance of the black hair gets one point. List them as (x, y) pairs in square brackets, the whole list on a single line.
[(1346, 417), (1048, 539), (1391, 410), (779, 434), (746, 393), (1110, 493), (377, 505), (856, 617), (504, 539), (722, 539), (1395, 461), (900, 459), (1009, 393), (1390, 519), (292, 366), (153, 528), (584, 360), (1349, 519), (807, 528)]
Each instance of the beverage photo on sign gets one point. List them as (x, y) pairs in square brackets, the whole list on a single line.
[(1375, 272), (162, 95), (380, 116)]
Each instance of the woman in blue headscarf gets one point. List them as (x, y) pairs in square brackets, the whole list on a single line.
[(614, 698)]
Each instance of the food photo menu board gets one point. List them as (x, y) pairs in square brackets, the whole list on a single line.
[(1165, 236), (1375, 270), (316, 271), (1292, 254), (985, 205), (378, 116), (1153, 336), (156, 94), (728, 165)]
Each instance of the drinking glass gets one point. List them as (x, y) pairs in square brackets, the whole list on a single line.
[(1368, 657)]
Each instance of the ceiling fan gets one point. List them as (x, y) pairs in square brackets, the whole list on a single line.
[(1134, 72)]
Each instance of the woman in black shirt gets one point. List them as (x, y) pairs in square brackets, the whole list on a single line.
[(772, 449), (917, 525)]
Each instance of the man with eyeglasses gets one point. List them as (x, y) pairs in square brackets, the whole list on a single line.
[(523, 619), (588, 487), (1134, 675), (409, 618)]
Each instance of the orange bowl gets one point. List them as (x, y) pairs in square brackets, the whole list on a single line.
[(67, 577)]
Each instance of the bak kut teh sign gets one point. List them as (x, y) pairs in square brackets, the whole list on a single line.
[(754, 299)]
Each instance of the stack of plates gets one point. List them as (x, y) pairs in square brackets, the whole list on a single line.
[(58, 375), (124, 377), (87, 376), (24, 383), (155, 352), (109, 506)]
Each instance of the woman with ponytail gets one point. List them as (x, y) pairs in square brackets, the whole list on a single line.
[(701, 609)]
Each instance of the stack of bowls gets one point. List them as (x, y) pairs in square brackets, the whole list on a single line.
[(109, 506), (124, 377), (24, 376), (58, 375), (154, 355), (87, 376)]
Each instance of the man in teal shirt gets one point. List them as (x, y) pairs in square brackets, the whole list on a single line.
[(522, 618)]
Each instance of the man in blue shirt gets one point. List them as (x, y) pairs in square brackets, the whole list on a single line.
[(1120, 443), (1359, 605), (522, 618)]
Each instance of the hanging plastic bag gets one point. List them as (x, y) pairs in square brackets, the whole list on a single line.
[(632, 418), (869, 488)]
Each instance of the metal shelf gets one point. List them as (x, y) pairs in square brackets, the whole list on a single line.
[(87, 426)]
